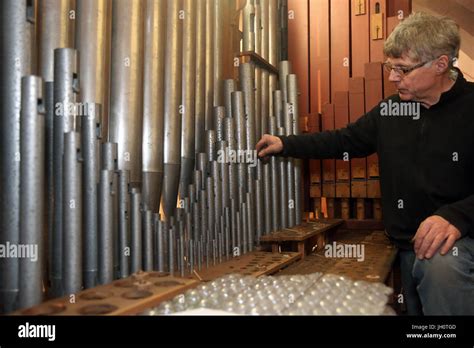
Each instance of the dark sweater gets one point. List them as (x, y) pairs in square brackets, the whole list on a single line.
[(427, 163)]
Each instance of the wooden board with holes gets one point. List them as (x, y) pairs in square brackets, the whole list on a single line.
[(379, 255), (303, 231), (126, 296), (256, 263)]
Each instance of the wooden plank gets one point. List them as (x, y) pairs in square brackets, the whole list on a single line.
[(367, 224), (340, 52), (360, 39), (319, 44), (127, 296), (356, 110), (256, 264), (298, 49), (401, 8), (378, 30), (341, 119), (329, 165), (379, 256), (303, 231)]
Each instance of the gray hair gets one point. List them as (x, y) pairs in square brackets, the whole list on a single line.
[(423, 38)]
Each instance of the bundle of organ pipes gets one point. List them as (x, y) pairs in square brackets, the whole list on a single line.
[(133, 150)]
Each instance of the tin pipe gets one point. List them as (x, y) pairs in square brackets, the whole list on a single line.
[(106, 225), (284, 203), (153, 102), (147, 240), (248, 17), (126, 97), (161, 247), (245, 228), (109, 152), (124, 211), (211, 210), (188, 148), (275, 179), (211, 146), (91, 137), (72, 213), (32, 179), (172, 248), (55, 30), (173, 94), (200, 84), (93, 39), (229, 88), (66, 86), (210, 63), (247, 77), (136, 230), (219, 116)]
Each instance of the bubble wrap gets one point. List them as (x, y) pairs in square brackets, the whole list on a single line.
[(313, 294)]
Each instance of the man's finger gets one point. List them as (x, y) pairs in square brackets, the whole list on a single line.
[(428, 238), (435, 245), (448, 244), (262, 143), (268, 151), (421, 233)]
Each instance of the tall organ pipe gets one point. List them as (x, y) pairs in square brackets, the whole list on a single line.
[(153, 102), (125, 124)]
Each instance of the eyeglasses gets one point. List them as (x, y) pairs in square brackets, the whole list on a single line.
[(402, 71)]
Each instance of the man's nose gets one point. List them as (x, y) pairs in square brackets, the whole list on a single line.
[(394, 77)]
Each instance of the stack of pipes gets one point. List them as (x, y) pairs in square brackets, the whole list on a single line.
[(133, 149)]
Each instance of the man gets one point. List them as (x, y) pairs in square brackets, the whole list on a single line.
[(424, 137)]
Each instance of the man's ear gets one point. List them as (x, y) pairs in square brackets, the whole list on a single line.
[(442, 64)]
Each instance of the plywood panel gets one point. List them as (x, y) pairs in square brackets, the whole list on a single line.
[(298, 49), (378, 29), (319, 54), (360, 46), (340, 53)]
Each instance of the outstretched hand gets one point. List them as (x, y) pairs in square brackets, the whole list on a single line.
[(269, 145)]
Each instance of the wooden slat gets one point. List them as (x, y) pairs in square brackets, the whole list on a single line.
[(303, 231), (329, 165), (395, 6), (298, 49), (340, 53), (376, 45), (122, 297), (356, 110), (320, 55), (379, 256), (360, 40), (341, 117), (254, 264)]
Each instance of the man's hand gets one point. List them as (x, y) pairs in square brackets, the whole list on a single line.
[(269, 145), (431, 234)]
